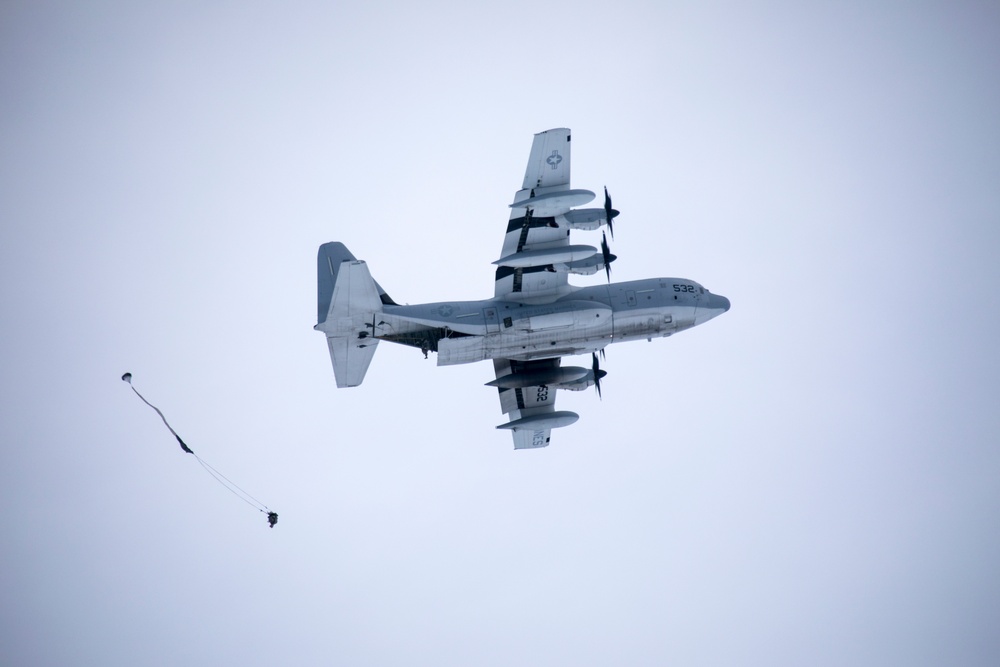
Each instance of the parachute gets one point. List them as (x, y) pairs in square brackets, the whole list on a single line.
[(272, 517)]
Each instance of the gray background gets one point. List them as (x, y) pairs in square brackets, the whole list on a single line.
[(810, 479)]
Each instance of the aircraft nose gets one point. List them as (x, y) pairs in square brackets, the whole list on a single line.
[(718, 302)]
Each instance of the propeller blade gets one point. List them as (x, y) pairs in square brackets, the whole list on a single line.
[(609, 213), (608, 257), (598, 373)]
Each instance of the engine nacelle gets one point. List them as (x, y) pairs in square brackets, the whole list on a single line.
[(556, 419), (545, 256), (549, 377), (583, 218), (587, 380), (555, 202), (589, 266)]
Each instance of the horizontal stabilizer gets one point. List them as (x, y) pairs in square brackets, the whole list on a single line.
[(354, 293), (351, 358), (329, 259)]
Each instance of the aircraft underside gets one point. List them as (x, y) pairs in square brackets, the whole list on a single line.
[(535, 316)]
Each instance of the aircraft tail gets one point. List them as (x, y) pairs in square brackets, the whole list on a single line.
[(349, 299), (328, 261)]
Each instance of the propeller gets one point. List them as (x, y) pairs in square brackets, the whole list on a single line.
[(609, 213), (598, 373), (608, 257)]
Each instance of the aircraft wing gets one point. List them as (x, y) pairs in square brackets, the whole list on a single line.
[(531, 227), (532, 408)]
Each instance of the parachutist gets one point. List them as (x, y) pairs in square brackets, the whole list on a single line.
[(272, 517)]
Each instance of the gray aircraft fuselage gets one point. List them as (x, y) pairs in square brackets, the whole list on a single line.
[(585, 319)]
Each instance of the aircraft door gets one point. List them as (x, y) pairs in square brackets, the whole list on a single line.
[(492, 320)]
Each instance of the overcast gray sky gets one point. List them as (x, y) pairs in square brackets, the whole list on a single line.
[(811, 478)]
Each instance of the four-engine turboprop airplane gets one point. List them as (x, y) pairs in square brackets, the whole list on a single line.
[(535, 316)]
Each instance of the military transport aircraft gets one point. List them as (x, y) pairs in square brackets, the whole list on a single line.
[(535, 316)]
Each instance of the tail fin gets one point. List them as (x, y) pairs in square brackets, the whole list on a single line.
[(349, 299)]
